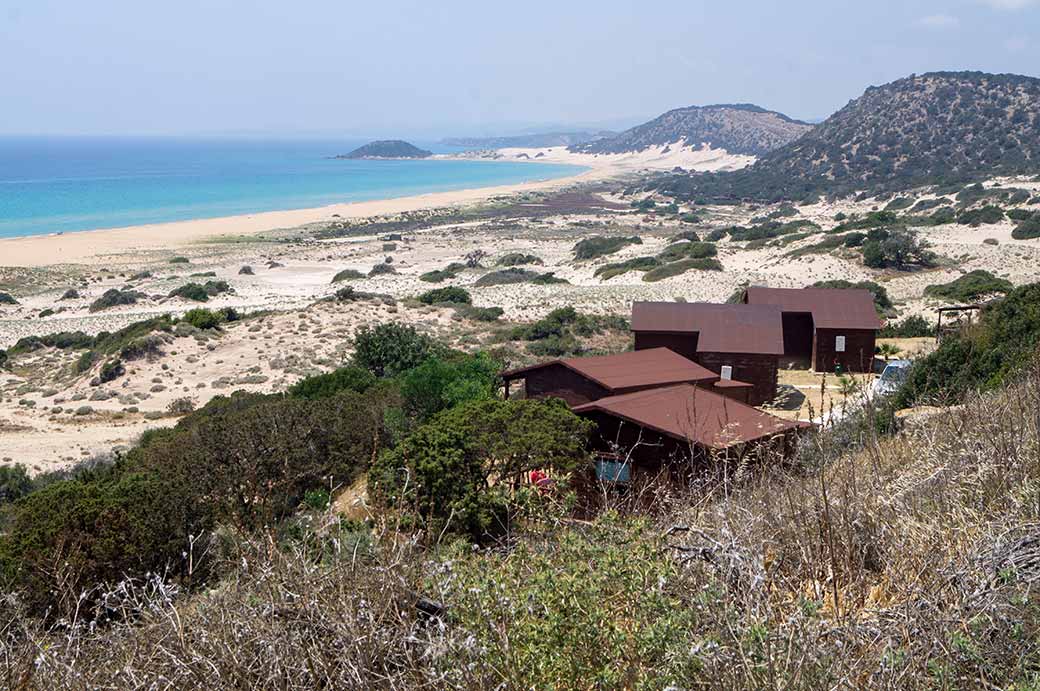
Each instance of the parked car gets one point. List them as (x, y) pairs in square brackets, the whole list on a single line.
[(892, 377)]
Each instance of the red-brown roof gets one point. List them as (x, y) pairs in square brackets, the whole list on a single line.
[(637, 368), (831, 308), (721, 328), (694, 414)]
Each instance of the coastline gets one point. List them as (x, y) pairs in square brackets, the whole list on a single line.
[(90, 246)]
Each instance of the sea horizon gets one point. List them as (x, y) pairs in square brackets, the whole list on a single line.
[(68, 183)]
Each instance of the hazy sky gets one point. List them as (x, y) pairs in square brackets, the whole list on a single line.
[(436, 67)]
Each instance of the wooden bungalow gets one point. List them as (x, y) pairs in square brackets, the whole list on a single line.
[(738, 342), (581, 380), (825, 327), (674, 431)]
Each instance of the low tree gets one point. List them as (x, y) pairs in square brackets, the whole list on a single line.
[(457, 472), (391, 348)]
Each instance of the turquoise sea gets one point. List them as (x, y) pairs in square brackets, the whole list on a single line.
[(51, 184)]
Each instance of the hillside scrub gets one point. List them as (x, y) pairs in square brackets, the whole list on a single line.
[(983, 356), (688, 250), (971, 286), (598, 246), (681, 267), (451, 294), (516, 275), (114, 297), (347, 275), (201, 292), (1028, 229), (517, 259), (906, 562), (609, 271)]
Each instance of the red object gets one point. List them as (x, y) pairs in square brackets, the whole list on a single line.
[(541, 480)]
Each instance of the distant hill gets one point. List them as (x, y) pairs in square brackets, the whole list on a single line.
[(527, 141), (738, 128), (942, 127), (388, 148)]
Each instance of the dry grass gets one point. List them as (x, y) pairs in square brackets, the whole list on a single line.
[(902, 562)]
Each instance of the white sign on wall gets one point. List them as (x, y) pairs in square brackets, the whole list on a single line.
[(727, 372), (839, 344)]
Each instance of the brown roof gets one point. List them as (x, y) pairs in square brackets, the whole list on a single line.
[(637, 368), (831, 308), (722, 328), (731, 384), (693, 414)]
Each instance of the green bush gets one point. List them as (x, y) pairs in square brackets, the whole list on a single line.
[(383, 269), (681, 267), (114, 297), (347, 275), (480, 314), (7, 299), (598, 246), (440, 383), (202, 318), (608, 271), (452, 294), (111, 370), (440, 275), (984, 356), (555, 345), (969, 287), (15, 483), (914, 326), (882, 302), (388, 349), (200, 293), (516, 275), (985, 215), (319, 386), (517, 259), (688, 250), (552, 324), (454, 474), (1027, 229), (179, 260), (898, 248)]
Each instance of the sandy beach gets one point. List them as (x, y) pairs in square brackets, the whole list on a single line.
[(95, 246)]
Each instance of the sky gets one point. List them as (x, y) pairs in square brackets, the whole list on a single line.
[(431, 68)]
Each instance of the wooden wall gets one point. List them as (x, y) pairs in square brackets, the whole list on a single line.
[(759, 370), (858, 355), (684, 344), (562, 382)]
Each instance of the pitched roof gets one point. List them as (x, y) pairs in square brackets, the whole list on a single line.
[(722, 328), (694, 414), (637, 368), (831, 308)]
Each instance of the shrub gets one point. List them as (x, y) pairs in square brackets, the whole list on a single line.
[(15, 483), (516, 275), (145, 346), (480, 314), (200, 293), (179, 260), (113, 369), (246, 270), (689, 218), (717, 234), (899, 248), (983, 356), (391, 348), (181, 406), (982, 216), (347, 275), (454, 473), (383, 269), (882, 302), (452, 294), (202, 318), (914, 326), (681, 267), (608, 271), (517, 259), (970, 286), (319, 386), (555, 345), (688, 250), (114, 297), (440, 383), (598, 246), (70, 294), (1027, 229), (552, 324)]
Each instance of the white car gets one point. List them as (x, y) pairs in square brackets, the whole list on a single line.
[(892, 377)]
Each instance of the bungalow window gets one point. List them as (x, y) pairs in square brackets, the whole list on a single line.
[(839, 344), (613, 471)]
